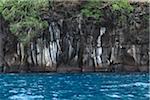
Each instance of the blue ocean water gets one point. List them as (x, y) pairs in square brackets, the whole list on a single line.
[(87, 86)]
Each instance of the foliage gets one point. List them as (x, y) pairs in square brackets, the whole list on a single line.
[(121, 10), (91, 9), (24, 17), (122, 5)]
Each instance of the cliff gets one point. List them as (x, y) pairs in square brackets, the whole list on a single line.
[(117, 42)]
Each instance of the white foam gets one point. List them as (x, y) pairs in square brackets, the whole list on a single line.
[(130, 95), (147, 95), (114, 95), (25, 97), (135, 84)]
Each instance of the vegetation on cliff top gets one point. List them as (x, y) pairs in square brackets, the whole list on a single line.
[(24, 18), (93, 7), (26, 23)]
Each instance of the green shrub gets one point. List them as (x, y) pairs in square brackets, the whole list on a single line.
[(91, 9), (24, 17)]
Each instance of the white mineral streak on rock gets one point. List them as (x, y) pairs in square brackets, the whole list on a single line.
[(132, 52), (43, 55), (38, 53), (70, 49), (94, 57), (54, 47), (29, 59), (59, 48), (53, 51), (99, 46), (22, 52), (112, 55), (18, 49), (99, 53), (48, 61), (33, 53)]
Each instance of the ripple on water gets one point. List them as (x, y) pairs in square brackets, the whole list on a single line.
[(103, 90), (13, 91), (130, 95), (113, 95), (25, 97), (138, 84), (74, 87), (147, 95)]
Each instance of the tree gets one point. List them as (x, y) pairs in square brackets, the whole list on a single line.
[(24, 20), (94, 8)]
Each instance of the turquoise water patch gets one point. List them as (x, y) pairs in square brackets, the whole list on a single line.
[(84, 86)]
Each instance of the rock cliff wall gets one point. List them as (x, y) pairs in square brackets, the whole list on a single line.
[(73, 42)]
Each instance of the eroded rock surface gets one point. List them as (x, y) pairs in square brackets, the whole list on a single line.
[(74, 43)]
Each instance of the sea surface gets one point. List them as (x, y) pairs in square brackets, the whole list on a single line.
[(79, 86)]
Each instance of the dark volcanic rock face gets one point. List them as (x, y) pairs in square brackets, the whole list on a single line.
[(73, 42)]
